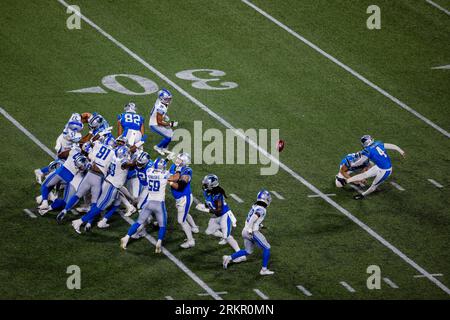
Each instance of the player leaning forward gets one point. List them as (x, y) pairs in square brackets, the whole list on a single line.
[(251, 234), (375, 151), (157, 177)]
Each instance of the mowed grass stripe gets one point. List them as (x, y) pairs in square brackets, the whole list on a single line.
[(262, 151)]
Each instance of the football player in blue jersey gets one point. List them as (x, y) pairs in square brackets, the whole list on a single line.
[(347, 167), (221, 223), (160, 123), (375, 151), (130, 124), (251, 234), (180, 183)]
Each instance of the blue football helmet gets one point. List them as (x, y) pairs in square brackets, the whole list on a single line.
[(209, 182), (264, 196), (81, 163), (159, 164), (182, 159), (142, 160), (121, 152), (165, 96), (109, 141), (366, 140), (95, 121)]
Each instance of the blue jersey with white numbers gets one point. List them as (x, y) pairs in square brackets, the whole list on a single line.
[(142, 173), (185, 171), (349, 161), (130, 121), (377, 154), (211, 199)]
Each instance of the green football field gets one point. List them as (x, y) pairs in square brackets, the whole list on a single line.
[(311, 68)]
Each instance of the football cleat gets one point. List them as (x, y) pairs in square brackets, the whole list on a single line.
[(187, 244), (223, 242), (84, 208), (161, 151), (195, 229), (102, 224), (158, 247), (39, 199), (87, 227), (226, 261), (124, 242), (39, 176), (266, 272), (358, 197), (76, 224), (130, 211)]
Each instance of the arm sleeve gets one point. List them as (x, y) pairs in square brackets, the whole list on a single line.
[(361, 161), (391, 146)]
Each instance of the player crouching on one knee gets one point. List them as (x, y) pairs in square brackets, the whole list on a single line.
[(221, 223), (251, 234), (349, 165)]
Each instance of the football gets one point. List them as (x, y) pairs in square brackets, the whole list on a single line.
[(280, 145)]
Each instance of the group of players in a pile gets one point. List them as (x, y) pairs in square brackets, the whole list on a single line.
[(107, 172)]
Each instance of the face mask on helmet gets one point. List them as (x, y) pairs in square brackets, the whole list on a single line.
[(264, 196), (165, 96), (130, 107), (109, 141), (121, 152), (209, 182), (159, 164), (183, 159), (366, 141), (121, 141), (142, 160), (95, 122)]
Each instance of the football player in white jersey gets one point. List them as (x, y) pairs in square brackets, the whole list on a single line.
[(159, 121), (251, 234), (101, 157), (157, 178), (114, 181), (75, 161)]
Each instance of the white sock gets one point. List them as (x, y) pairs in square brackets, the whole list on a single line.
[(191, 221), (233, 243), (187, 230)]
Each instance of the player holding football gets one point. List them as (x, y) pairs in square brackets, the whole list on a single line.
[(375, 151), (159, 122), (251, 234), (347, 167)]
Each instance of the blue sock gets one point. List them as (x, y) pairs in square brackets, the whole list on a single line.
[(164, 142), (58, 204), (44, 191), (266, 256), (45, 170), (239, 254), (72, 202), (111, 211), (133, 228), (161, 233), (93, 212)]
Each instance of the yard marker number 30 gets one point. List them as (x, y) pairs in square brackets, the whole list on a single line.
[(202, 83)]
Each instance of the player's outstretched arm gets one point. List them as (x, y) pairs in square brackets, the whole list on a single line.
[(391, 146)]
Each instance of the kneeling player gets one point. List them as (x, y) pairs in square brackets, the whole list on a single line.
[(348, 166), (251, 234)]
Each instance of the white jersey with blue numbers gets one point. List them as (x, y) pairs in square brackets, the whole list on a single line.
[(256, 209), (157, 181), (116, 175), (158, 108), (69, 164), (102, 156), (377, 154), (74, 123)]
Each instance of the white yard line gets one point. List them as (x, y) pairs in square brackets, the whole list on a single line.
[(260, 294), (305, 292), (169, 255), (397, 186), (169, 298), (347, 286), (436, 184), (276, 194), (433, 274), (30, 214), (206, 294), (263, 151), (179, 264), (439, 7), (318, 196), (348, 69), (390, 283), (235, 197)]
